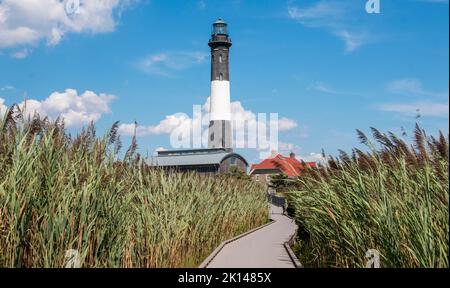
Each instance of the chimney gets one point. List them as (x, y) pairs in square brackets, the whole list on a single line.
[(292, 155)]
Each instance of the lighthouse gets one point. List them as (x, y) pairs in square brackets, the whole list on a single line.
[(220, 112), (219, 156)]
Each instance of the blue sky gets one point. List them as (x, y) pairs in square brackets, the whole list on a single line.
[(327, 67)]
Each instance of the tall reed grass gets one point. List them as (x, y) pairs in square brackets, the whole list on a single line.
[(59, 192), (393, 197)]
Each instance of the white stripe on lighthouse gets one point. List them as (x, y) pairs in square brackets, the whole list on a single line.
[(220, 100)]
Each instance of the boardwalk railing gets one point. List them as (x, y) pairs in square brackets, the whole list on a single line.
[(277, 201)]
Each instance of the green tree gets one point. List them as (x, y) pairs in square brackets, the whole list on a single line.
[(279, 182), (238, 174)]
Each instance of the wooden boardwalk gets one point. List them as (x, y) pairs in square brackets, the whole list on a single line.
[(260, 249)]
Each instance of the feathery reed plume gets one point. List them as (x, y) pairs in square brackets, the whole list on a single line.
[(59, 192), (362, 137), (393, 199), (419, 143), (113, 133)]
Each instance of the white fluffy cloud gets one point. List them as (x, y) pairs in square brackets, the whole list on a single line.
[(312, 157), (76, 110), (26, 22), (174, 121), (165, 126), (286, 124)]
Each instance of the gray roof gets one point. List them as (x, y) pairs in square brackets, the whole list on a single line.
[(214, 157)]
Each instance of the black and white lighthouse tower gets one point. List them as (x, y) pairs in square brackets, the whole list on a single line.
[(220, 135), (219, 157)]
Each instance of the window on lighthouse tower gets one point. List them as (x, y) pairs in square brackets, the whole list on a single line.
[(220, 58), (220, 77)]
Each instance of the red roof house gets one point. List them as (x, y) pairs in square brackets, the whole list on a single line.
[(278, 164)]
